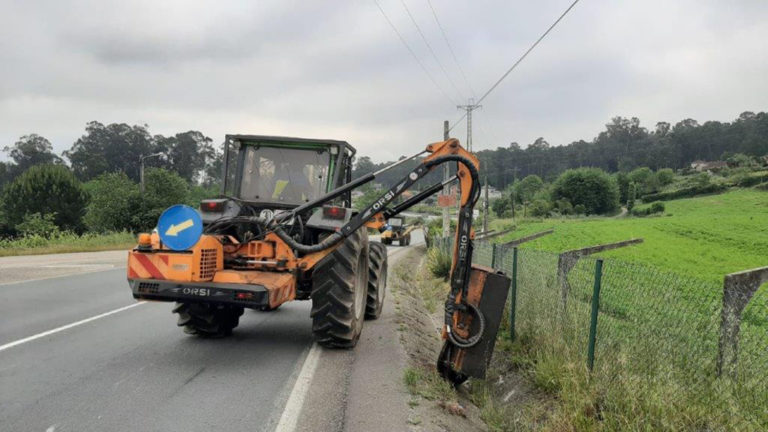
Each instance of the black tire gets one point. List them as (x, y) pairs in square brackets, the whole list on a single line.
[(377, 280), (207, 320), (339, 285)]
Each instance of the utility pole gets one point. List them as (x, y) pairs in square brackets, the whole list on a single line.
[(469, 107), (446, 188), (485, 207), (141, 170)]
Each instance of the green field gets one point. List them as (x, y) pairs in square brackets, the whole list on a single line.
[(706, 237)]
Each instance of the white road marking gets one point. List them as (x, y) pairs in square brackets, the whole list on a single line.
[(290, 417), (66, 327)]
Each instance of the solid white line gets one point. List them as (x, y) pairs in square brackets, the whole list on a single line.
[(66, 327), (290, 417)]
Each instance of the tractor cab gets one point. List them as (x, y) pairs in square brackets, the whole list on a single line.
[(267, 175), (284, 172)]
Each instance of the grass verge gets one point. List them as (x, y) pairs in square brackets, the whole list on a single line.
[(66, 242)]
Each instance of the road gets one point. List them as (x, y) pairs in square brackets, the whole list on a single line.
[(133, 369)]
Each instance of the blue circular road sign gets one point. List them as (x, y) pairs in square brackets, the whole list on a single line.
[(180, 227)]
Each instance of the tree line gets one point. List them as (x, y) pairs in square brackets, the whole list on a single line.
[(98, 190), (626, 145)]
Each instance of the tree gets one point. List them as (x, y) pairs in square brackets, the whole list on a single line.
[(114, 203), (363, 166), (31, 150), (632, 196), (665, 176), (112, 148), (500, 206), (186, 153), (592, 187), (46, 189), (162, 189), (525, 189)]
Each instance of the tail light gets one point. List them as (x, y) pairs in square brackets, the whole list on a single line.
[(212, 206), (334, 212)]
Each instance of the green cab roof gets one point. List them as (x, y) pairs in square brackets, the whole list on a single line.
[(266, 139)]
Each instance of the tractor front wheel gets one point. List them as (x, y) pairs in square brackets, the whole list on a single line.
[(207, 320), (339, 291)]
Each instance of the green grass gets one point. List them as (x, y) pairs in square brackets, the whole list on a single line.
[(706, 237), (66, 242)]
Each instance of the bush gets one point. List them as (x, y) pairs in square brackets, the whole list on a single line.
[(439, 262), (579, 209), (591, 187), (686, 192), (539, 208), (115, 200), (162, 189), (654, 208), (46, 189), (38, 225), (665, 176)]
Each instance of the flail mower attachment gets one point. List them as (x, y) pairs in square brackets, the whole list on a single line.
[(469, 345)]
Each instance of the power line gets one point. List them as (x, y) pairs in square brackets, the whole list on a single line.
[(519, 60), (429, 46), (410, 50), (528, 51), (450, 48)]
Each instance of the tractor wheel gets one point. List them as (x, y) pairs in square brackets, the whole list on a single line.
[(207, 320), (339, 285), (377, 280)]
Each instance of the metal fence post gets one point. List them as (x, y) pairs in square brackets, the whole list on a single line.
[(493, 256), (593, 318), (513, 297)]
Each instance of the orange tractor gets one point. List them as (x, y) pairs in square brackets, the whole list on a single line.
[(284, 229)]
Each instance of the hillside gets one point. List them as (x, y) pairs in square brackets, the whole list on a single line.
[(705, 236)]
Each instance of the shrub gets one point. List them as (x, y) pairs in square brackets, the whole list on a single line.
[(665, 176), (46, 189), (539, 208), (579, 209), (686, 192), (654, 208), (439, 262), (162, 189), (115, 200), (591, 187), (38, 225)]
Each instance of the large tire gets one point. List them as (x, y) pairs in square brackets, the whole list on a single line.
[(207, 320), (339, 285), (377, 280)]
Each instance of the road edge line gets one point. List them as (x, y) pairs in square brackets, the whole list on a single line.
[(66, 327), (290, 417)]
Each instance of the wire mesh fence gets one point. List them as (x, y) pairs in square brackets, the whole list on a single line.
[(660, 336)]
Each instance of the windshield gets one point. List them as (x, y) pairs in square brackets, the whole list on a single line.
[(285, 175)]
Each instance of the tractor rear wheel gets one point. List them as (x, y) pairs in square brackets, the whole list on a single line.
[(377, 280), (339, 285), (207, 320)]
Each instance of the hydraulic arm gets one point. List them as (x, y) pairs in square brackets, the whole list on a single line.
[(471, 314)]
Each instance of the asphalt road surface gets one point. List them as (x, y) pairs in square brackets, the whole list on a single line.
[(78, 354)]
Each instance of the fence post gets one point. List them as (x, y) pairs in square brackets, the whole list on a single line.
[(593, 318), (513, 297), (493, 256)]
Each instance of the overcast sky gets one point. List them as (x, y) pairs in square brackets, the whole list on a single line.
[(336, 69)]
